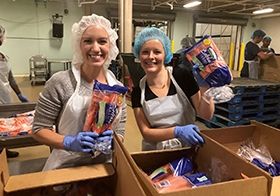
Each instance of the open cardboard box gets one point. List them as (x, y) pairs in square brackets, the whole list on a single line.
[(269, 69), (118, 177), (255, 185), (261, 134)]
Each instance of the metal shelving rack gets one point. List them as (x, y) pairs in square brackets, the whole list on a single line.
[(38, 66)]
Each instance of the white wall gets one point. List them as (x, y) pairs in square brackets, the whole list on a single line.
[(30, 30), (182, 26), (272, 28)]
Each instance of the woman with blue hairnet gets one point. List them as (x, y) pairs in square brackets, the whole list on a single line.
[(252, 55), (8, 83), (67, 94), (166, 100), (266, 45)]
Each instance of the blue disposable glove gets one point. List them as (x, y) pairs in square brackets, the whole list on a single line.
[(189, 134), (106, 135), (200, 81), (82, 142), (22, 98)]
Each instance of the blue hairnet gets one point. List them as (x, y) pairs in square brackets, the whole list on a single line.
[(267, 38), (258, 33), (153, 33)]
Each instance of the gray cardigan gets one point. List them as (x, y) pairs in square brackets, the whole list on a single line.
[(52, 100)]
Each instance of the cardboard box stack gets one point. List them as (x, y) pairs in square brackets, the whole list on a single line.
[(256, 184), (117, 177), (254, 100), (230, 138)]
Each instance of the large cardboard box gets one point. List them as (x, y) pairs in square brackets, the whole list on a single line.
[(270, 69), (261, 134), (118, 178), (254, 185)]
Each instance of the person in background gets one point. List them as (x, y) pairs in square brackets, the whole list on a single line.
[(266, 45), (67, 94), (252, 55), (167, 99), (184, 63), (7, 84)]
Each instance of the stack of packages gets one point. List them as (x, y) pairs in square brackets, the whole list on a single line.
[(177, 175), (16, 125)]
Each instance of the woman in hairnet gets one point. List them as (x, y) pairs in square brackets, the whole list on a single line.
[(252, 55), (167, 99), (7, 83), (266, 45), (67, 94)]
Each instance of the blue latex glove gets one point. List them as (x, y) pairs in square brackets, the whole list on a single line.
[(198, 77), (189, 134), (22, 98), (82, 142), (106, 135)]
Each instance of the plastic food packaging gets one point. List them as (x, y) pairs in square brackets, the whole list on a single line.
[(176, 183), (178, 167), (210, 64), (17, 124), (104, 107), (259, 156)]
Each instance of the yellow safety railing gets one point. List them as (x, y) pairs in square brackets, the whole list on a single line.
[(241, 56), (231, 52), (172, 46)]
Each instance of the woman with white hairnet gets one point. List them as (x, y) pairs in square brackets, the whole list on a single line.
[(252, 55), (67, 94), (6, 76), (8, 83), (166, 100)]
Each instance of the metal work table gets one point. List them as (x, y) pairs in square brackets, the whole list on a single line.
[(66, 64), (17, 141)]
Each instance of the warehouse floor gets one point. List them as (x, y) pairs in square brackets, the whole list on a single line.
[(132, 137)]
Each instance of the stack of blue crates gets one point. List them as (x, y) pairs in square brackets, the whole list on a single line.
[(254, 100)]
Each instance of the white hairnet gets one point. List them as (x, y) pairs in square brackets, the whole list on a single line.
[(78, 30), (2, 34)]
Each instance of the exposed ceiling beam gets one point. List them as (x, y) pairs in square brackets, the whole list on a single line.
[(227, 4)]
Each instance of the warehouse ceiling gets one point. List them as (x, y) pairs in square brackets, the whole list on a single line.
[(238, 7)]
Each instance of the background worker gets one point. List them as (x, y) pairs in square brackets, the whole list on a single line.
[(252, 55), (266, 45), (7, 83)]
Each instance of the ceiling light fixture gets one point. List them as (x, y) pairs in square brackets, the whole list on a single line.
[(263, 11), (192, 4)]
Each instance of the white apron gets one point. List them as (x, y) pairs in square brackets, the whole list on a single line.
[(253, 68), (71, 122), (5, 88), (169, 111)]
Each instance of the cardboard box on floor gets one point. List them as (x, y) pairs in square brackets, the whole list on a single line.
[(255, 185), (118, 177), (261, 134), (270, 69)]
